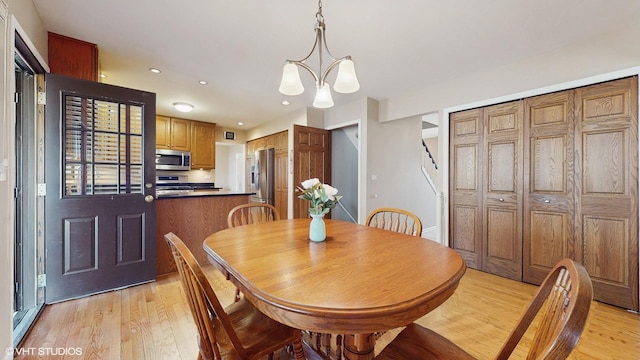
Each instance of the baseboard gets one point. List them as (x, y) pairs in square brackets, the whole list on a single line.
[(430, 233)]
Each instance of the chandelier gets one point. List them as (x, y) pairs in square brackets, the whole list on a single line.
[(346, 80)]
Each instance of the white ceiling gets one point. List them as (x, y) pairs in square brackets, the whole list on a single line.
[(240, 46)]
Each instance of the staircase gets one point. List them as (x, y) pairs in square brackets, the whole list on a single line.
[(430, 166)]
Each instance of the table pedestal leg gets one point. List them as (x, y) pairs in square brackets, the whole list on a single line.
[(359, 346)]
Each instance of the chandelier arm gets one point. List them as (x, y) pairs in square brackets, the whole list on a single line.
[(306, 67), (333, 64), (323, 39)]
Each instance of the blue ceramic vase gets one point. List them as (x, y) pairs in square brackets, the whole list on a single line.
[(317, 230)]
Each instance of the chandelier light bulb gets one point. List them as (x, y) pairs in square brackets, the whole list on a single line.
[(291, 83), (323, 98), (346, 81)]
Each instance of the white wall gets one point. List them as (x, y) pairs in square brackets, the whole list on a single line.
[(610, 52), (394, 173)]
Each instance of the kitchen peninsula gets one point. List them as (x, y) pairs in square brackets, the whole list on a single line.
[(193, 216)]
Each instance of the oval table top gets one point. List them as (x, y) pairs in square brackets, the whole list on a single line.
[(360, 280)]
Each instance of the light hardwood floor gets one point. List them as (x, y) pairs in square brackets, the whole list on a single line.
[(152, 321)]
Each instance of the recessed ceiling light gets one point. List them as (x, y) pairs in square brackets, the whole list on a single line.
[(155, 71), (202, 82), (183, 107), (240, 123), (285, 102)]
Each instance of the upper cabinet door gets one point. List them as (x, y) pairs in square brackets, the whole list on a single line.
[(173, 133), (203, 145)]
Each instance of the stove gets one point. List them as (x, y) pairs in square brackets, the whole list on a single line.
[(179, 184)]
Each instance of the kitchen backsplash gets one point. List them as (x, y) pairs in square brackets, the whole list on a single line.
[(194, 176)]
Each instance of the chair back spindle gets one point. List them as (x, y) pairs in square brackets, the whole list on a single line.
[(252, 214), (396, 220)]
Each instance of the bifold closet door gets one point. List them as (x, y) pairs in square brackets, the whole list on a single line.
[(486, 188), (548, 232), (503, 195), (607, 189), (465, 184)]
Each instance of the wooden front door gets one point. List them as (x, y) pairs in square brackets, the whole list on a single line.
[(312, 159), (100, 175)]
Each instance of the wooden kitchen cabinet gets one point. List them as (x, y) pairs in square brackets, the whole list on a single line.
[(72, 57), (203, 145), (173, 133)]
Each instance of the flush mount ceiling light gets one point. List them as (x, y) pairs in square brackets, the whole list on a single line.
[(155, 71), (346, 80), (183, 107)]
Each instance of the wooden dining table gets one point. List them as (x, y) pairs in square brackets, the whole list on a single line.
[(359, 281)]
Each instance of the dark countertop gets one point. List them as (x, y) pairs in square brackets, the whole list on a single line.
[(199, 193)]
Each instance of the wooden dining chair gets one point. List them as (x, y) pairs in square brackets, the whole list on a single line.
[(397, 220), (566, 294), (252, 214), (238, 331)]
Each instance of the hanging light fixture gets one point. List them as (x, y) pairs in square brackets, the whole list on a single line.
[(346, 80)]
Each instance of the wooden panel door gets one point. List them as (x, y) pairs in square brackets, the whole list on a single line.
[(312, 159), (465, 185), (607, 189), (100, 170), (548, 232), (503, 198), (282, 174)]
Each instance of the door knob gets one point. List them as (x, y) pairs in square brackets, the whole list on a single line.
[(149, 198), (501, 199), (547, 201)]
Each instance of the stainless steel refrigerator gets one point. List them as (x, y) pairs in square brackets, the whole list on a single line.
[(262, 176)]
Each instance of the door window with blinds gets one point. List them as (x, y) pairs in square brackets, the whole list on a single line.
[(102, 145)]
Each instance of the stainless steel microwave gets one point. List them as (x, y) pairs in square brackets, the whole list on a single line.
[(173, 160)]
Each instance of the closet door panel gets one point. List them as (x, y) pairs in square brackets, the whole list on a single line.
[(548, 234), (502, 202), (465, 186), (607, 189)]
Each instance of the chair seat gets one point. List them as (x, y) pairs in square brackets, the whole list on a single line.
[(247, 322), (417, 342)]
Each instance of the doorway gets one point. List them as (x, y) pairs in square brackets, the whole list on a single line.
[(27, 298), (344, 170)]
